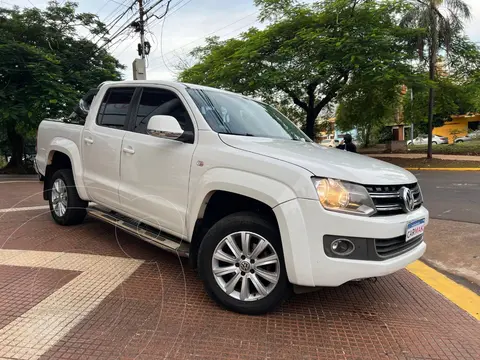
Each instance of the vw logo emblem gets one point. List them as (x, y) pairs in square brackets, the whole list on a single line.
[(245, 266), (408, 200)]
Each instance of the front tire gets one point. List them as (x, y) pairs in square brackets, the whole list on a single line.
[(242, 266), (66, 206)]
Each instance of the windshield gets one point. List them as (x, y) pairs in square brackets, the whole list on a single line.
[(237, 115)]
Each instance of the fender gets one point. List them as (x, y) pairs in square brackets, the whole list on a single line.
[(261, 188), (69, 148)]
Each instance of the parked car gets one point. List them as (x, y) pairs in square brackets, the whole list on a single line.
[(469, 137), (423, 140), (229, 182), (330, 142)]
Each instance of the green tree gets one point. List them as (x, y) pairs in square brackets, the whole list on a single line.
[(368, 108), (309, 53), (454, 95), (443, 20), (45, 66)]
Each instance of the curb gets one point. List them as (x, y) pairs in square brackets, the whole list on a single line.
[(443, 169), (458, 294)]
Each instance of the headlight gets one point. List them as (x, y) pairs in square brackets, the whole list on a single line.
[(336, 195)]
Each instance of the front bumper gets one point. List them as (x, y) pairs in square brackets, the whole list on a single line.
[(304, 224)]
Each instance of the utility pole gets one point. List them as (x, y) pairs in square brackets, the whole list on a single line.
[(142, 28), (411, 115), (139, 66)]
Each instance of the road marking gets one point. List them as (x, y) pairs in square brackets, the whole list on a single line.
[(456, 293), (445, 212), (32, 334), (444, 169), (28, 208), (18, 181)]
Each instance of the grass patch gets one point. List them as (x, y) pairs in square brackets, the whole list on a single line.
[(465, 148), (433, 163)]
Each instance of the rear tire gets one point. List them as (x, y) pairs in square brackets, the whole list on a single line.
[(259, 277), (66, 206), (434, 142)]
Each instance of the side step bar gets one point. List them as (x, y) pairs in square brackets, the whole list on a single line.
[(141, 231)]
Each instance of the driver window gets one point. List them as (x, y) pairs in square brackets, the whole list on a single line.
[(160, 102)]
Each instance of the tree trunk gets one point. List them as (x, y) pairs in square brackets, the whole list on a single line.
[(310, 125), (432, 64), (16, 143), (368, 131)]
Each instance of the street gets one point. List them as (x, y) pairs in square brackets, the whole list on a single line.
[(133, 300), (453, 200), (451, 195)]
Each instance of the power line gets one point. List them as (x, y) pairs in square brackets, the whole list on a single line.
[(117, 19), (173, 10), (109, 19), (126, 25), (161, 33), (161, 46), (215, 31), (117, 2), (127, 47), (204, 37)]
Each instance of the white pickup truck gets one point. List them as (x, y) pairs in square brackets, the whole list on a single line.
[(231, 183)]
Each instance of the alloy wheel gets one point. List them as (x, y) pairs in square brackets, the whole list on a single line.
[(246, 266), (59, 197)]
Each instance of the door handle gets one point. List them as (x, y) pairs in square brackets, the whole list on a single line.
[(88, 140), (128, 150)]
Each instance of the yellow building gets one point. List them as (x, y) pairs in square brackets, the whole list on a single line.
[(458, 127)]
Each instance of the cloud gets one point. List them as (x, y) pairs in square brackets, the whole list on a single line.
[(186, 26), (471, 27)]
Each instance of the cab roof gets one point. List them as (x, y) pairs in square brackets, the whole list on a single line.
[(166, 82)]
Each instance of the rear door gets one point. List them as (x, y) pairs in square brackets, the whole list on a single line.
[(102, 141)]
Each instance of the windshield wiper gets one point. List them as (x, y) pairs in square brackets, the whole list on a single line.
[(232, 133)]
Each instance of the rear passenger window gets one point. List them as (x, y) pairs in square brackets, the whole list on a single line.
[(114, 108), (161, 102)]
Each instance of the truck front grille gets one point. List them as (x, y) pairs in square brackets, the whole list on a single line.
[(387, 248), (387, 198)]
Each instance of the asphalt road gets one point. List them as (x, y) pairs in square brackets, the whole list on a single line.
[(451, 195)]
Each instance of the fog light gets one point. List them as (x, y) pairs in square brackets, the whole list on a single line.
[(342, 247)]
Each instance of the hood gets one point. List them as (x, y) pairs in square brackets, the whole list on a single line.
[(324, 162)]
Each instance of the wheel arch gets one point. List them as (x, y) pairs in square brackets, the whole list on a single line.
[(229, 193), (64, 153)]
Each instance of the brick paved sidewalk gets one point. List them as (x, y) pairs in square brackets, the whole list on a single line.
[(89, 292)]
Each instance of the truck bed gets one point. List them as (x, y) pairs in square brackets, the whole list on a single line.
[(51, 131)]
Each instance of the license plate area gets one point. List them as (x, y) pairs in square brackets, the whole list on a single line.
[(415, 228)]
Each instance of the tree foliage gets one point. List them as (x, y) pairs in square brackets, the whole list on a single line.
[(369, 107), (311, 54), (443, 21), (452, 98), (45, 67)]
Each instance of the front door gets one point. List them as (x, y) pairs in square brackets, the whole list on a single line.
[(101, 146), (155, 171)]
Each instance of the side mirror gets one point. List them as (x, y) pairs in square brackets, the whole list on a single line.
[(164, 126)]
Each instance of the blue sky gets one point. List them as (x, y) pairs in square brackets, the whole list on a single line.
[(186, 25)]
